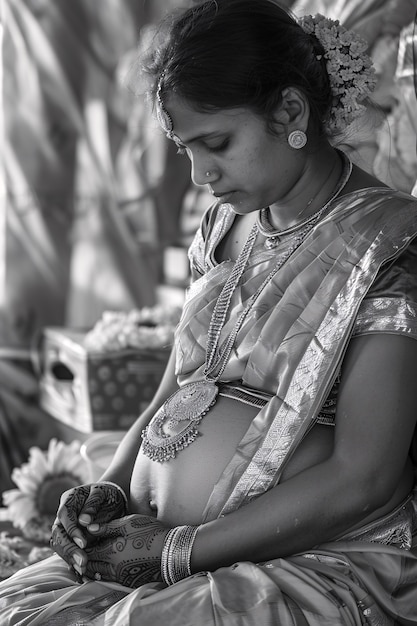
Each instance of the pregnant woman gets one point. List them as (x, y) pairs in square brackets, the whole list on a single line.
[(271, 480)]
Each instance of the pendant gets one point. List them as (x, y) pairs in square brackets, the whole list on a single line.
[(271, 242), (174, 425)]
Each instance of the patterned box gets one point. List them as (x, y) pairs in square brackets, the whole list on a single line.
[(96, 390)]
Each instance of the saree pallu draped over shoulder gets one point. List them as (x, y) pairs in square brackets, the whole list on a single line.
[(307, 331), (299, 329)]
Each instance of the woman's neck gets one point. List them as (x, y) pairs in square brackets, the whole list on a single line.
[(317, 184)]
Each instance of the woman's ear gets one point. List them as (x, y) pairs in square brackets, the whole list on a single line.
[(294, 110)]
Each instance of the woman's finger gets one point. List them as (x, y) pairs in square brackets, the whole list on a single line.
[(96, 569), (104, 503), (69, 509), (66, 549)]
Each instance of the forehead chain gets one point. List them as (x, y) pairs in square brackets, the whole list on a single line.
[(163, 117)]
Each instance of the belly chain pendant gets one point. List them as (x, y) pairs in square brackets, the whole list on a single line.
[(175, 425)]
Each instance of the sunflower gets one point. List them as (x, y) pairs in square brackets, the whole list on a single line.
[(41, 481)]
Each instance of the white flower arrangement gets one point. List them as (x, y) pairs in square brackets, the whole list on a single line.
[(40, 483), (143, 329), (14, 554), (350, 70)]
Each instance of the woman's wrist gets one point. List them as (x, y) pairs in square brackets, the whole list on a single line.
[(119, 489), (176, 553)]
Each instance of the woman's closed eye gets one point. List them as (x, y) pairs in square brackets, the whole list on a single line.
[(218, 147)]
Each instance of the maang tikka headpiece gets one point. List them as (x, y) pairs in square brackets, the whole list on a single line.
[(162, 115)]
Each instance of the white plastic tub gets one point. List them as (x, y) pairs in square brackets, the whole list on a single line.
[(98, 451)]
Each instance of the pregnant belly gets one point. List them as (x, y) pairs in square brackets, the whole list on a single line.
[(177, 491)]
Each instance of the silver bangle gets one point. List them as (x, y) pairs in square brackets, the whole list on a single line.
[(119, 489), (176, 553)]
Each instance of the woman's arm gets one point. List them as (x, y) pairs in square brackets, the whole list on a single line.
[(375, 421), (100, 502), (121, 467)]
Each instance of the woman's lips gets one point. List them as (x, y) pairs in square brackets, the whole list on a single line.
[(222, 195)]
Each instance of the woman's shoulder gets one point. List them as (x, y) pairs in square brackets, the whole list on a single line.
[(399, 277), (390, 306), (369, 203), (362, 181), (215, 222), (391, 303), (217, 216)]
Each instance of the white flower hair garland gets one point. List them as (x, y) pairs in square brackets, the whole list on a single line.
[(351, 73)]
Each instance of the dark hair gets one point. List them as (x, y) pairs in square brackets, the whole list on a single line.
[(223, 54)]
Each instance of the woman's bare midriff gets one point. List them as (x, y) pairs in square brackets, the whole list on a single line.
[(177, 491)]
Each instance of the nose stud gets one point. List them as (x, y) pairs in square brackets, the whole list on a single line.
[(208, 174)]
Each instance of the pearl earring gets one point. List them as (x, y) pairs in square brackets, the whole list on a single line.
[(297, 139)]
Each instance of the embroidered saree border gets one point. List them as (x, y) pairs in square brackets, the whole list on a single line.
[(380, 314), (279, 427)]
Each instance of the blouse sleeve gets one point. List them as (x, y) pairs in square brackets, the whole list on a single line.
[(198, 248), (391, 304)]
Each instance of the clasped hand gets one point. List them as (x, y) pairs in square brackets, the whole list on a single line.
[(95, 537)]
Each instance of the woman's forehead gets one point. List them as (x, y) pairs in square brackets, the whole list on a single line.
[(188, 120)]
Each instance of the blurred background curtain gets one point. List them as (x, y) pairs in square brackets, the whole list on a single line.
[(66, 240), (83, 187)]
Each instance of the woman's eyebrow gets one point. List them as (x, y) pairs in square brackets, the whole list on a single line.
[(207, 135)]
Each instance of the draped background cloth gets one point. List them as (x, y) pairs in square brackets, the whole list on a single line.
[(82, 161), (65, 118)]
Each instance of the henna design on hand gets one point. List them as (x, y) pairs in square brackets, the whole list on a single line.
[(129, 551), (61, 545), (136, 574), (103, 502), (72, 503)]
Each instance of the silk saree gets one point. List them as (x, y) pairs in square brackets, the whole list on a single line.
[(354, 274)]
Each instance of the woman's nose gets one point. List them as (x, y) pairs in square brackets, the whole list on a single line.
[(202, 173)]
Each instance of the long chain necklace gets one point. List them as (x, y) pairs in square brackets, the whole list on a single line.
[(175, 425)]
